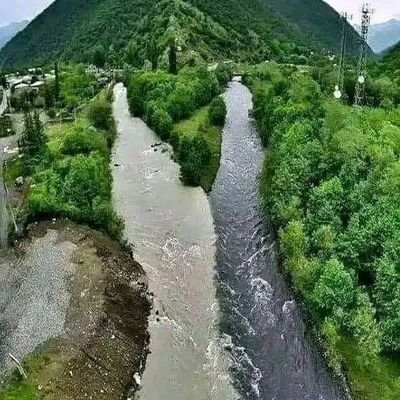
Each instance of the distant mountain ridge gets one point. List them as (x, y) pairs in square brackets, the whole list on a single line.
[(75, 30), (7, 32), (384, 35)]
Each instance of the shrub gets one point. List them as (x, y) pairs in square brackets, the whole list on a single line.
[(162, 123), (6, 127), (332, 338), (180, 104), (142, 88), (83, 140), (51, 113), (100, 113), (224, 73), (217, 111), (335, 289), (86, 186), (194, 155)]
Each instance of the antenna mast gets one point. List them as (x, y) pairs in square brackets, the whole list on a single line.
[(366, 14)]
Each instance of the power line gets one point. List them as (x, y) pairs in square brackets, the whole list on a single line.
[(339, 89), (342, 62)]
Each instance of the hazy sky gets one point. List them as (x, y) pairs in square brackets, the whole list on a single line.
[(17, 10), (384, 9)]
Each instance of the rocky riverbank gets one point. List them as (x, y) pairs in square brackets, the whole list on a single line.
[(74, 306)]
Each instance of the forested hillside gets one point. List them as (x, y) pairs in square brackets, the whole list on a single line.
[(391, 61), (316, 20), (119, 31)]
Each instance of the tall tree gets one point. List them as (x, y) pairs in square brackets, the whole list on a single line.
[(152, 54), (57, 83), (40, 137), (173, 68), (33, 137)]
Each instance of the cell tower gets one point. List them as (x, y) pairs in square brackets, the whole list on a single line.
[(366, 14)]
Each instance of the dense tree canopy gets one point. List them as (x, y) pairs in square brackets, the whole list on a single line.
[(163, 99), (331, 186), (115, 32)]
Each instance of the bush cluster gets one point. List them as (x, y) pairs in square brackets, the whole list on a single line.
[(163, 99), (6, 126), (74, 180), (217, 112), (194, 155)]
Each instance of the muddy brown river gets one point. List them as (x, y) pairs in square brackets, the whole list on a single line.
[(171, 229)]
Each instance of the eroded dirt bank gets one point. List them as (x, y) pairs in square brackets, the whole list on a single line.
[(79, 301)]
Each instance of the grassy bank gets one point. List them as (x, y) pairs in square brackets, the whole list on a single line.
[(377, 380), (18, 388), (66, 168), (185, 110), (330, 186)]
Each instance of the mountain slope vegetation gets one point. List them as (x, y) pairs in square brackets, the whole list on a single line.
[(391, 61), (317, 21), (119, 31)]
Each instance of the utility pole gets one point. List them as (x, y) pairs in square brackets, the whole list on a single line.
[(366, 14), (339, 88)]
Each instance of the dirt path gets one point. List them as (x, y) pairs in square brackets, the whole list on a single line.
[(80, 301), (3, 104), (5, 144)]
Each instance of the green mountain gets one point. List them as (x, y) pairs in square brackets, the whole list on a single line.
[(119, 31), (317, 21), (391, 61)]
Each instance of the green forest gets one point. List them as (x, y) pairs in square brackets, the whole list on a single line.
[(330, 185)]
